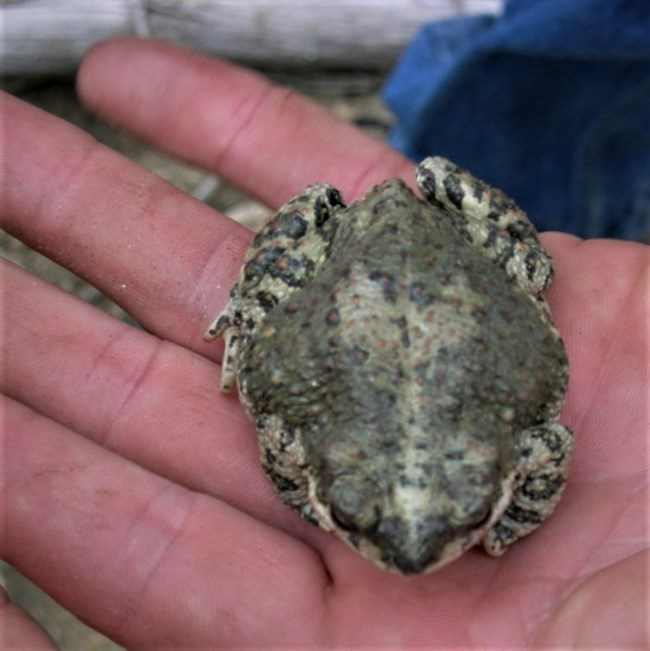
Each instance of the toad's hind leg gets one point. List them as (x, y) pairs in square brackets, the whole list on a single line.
[(490, 220), (543, 453), (283, 257)]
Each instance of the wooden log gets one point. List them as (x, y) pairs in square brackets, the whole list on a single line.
[(44, 37)]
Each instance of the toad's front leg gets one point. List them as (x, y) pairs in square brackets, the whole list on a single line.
[(543, 456), (283, 257)]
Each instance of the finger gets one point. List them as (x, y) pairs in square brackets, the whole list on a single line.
[(167, 259), (117, 546), (152, 402), (19, 631), (267, 140)]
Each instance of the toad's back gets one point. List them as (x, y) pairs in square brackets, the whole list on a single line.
[(405, 316)]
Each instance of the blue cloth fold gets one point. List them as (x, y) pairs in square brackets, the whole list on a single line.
[(549, 102)]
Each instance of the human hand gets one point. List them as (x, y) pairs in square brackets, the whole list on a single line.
[(132, 488)]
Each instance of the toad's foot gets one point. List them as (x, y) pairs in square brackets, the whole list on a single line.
[(284, 256), (544, 453), (490, 220)]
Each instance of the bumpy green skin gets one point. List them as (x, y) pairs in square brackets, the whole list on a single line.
[(401, 367)]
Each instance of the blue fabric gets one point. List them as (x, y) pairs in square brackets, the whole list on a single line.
[(549, 102)]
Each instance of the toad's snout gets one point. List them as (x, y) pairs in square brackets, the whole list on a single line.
[(416, 546)]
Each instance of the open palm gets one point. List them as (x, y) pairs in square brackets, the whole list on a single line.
[(132, 488)]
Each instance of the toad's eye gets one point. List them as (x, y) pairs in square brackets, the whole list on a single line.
[(341, 518), (482, 517), (365, 521), (354, 505)]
